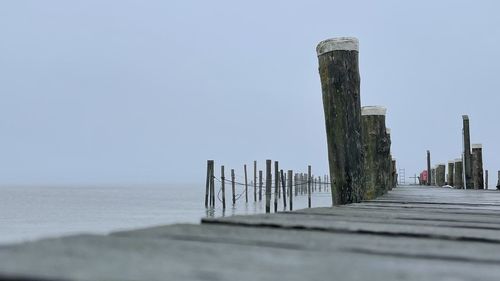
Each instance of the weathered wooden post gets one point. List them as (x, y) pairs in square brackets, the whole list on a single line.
[(394, 175), (376, 149), (467, 154), (283, 185), (246, 183), (451, 165), (209, 170), (486, 179), (458, 176), (498, 182), (440, 174), (268, 185), (260, 185), (233, 187), (429, 172), (212, 185), (389, 159), (290, 188), (339, 73), (309, 178), (254, 181), (276, 185), (223, 188), (477, 166)]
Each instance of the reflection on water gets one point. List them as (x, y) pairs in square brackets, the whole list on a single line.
[(28, 213)]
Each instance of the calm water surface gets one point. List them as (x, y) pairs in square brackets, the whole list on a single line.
[(28, 213)]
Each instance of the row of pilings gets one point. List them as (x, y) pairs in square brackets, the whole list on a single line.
[(464, 172), (359, 143)]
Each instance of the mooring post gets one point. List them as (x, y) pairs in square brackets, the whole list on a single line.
[(451, 172), (309, 178), (339, 73), (290, 188), (212, 185), (376, 146), (429, 173), (283, 185), (394, 175), (440, 174), (477, 166), (389, 179), (458, 175), (467, 153), (223, 188), (498, 182), (486, 179), (254, 181), (433, 177), (260, 185), (208, 184), (246, 183), (276, 185), (233, 187), (268, 185)]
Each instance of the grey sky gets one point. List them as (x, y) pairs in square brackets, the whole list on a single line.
[(146, 91)]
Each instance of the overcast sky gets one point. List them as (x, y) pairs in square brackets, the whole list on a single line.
[(97, 92)]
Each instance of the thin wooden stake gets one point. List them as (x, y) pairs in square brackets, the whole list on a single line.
[(309, 186), (268, 185), (223, 180), (276, 185), (283, 185), (260, 185), (208, 184), (246, 183), (233, 187), (254, 181)]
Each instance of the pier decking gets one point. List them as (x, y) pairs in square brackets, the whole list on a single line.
[(411, 233)]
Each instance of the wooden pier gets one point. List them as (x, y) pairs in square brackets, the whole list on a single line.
[(411, 233)]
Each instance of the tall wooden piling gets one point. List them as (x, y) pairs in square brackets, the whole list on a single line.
[(340, 83), (233, 187), (498, 182), (223, 187), (309, 178), (296, 178), (254, 181), (268, 185), (260, 185), (486, 179), (440, 174), (467, 153), (276, 185), (290, 188), (429, 173), (458, 176), (389, 159), (394, 175), (246, 183), (283, 185), (451, 166), (377, 169), (477, 166)]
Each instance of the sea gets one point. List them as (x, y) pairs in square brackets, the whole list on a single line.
[(33, 212)]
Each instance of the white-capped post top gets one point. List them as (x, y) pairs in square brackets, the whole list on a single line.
[(373, 110), (476, 145), (337, 44), (458, 160), (451, 161)]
